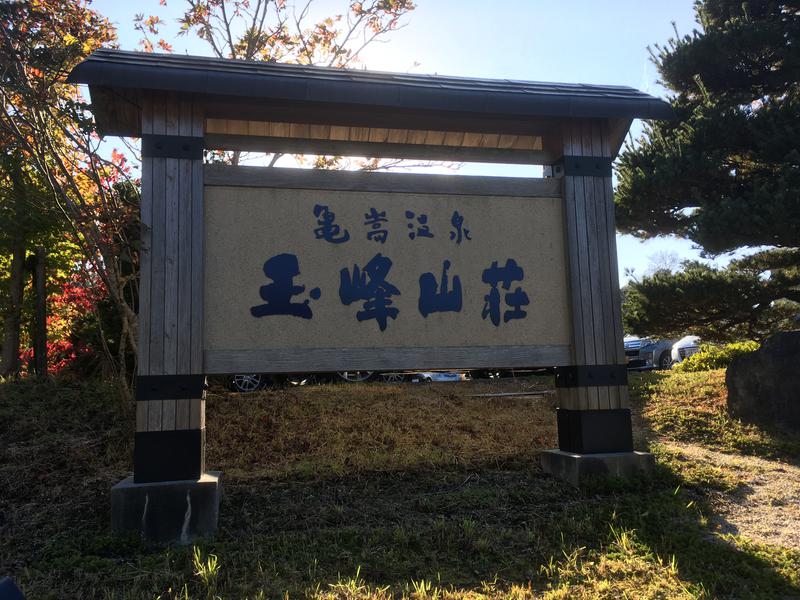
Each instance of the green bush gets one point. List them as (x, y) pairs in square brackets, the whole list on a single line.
[(713, 356)]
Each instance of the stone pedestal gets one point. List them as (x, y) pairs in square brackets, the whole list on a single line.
[(577, 468), (168, 511)]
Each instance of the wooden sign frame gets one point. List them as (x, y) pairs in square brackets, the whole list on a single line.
[(392, 190), (184, 105), (172, 309)]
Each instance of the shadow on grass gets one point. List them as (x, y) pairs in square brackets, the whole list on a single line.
[(456, 524), (456, 528), (692, 407)]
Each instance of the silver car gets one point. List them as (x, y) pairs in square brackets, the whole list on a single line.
[(647, 353)]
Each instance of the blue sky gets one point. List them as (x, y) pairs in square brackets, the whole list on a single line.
[(569, 41)]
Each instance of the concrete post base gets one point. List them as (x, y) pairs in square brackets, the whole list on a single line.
[(167, 511), (577, 468)]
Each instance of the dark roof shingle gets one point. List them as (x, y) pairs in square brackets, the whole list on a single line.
[(278, 81)]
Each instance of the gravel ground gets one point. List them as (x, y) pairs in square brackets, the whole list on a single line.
[(765, 506)]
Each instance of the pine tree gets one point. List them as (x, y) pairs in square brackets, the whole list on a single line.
[(725, 174)]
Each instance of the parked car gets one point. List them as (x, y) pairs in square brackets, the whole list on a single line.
[(429, 376), (355, 376), (685, 347), (358, 376), (252, 382), (247, 382), (647, 353)]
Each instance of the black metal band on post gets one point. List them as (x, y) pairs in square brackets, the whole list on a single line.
[(175, 455), (172, 146), (582, 166), (169, 454), (591, 375), (170, 387), (594, 431)]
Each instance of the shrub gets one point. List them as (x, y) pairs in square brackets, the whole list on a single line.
[(713, 356)]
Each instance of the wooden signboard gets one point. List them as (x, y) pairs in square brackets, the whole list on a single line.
[(323, 271), (264, 270)]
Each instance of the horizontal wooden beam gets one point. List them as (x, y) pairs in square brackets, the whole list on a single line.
[(306, 360), (222, 141), (227, 175), (356, 116), (383, 135)]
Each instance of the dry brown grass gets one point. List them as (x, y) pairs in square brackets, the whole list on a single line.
[(351, 428), (424, 490)]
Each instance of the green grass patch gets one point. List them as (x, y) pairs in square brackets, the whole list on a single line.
[(695, 473), (692, 407), (405, 491)]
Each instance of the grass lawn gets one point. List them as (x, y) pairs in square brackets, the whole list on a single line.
[(379, 491)]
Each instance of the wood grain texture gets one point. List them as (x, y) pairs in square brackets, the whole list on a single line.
[(154, 410), (183, 412), (285, 113), (396, 146), (574, 267), (197, 250), (569, 397), (170, 317), (142, 415), (197, 413), (171, 297), (184, 250), (608, 278), (158, 244), (296, 360), (430, 137), (145, 252), (573, 144), (598, 286), (592, 257), (169, 414), (226, 175), (171, 244)]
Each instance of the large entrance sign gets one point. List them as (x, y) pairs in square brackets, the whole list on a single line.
[(397, 275), (258, 269)]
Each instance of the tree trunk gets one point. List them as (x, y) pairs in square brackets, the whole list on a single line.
[(40, 314), (11, 323)]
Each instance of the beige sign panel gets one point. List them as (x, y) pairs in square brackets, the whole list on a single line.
[(320, 280)]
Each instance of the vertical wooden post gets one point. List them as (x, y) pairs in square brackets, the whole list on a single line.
[(170, 410), (40, 319), (596, 380)]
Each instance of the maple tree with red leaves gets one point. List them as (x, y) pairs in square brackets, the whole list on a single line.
[(89, 195), (46, 125)]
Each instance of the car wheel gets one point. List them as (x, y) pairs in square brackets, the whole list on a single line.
[(665, 361), (248, 382), (392, 377), (354, 376)]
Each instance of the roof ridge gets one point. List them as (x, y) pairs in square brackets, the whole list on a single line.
[(287, 82), (242, 64)]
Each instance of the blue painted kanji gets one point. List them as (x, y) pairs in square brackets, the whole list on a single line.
[(370, 286), (439, 298), (375, 220), (495, 275), (282, 269), (328, 230), (516, 300), (420, 229), (459, 232)]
